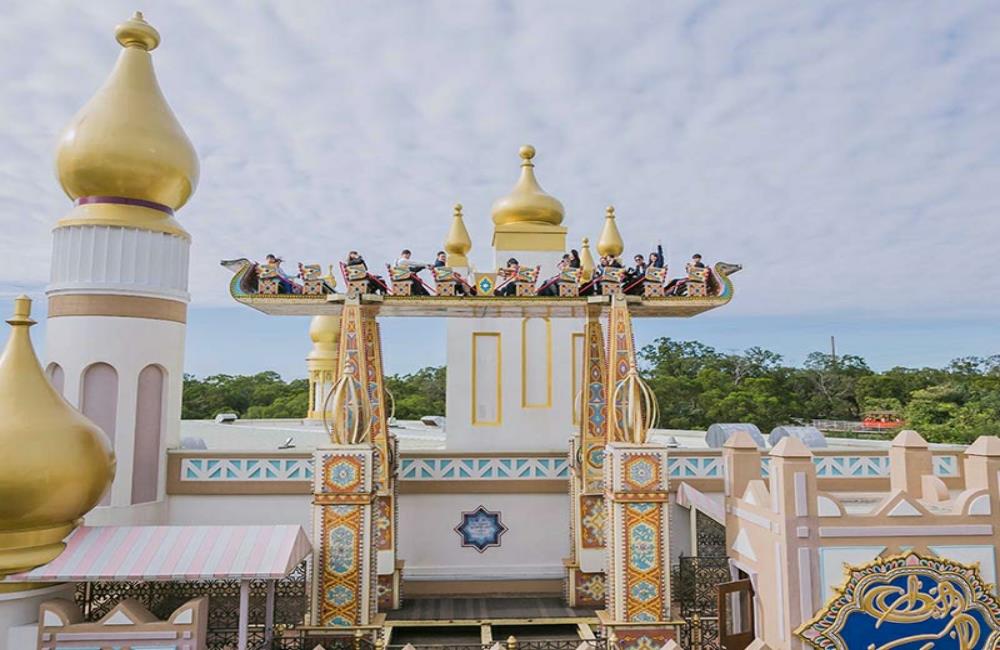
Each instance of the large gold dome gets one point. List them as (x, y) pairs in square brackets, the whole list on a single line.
[(527, 202), (55, 464), (125, 143)]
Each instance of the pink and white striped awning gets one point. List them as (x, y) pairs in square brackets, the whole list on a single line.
[(175, 553)]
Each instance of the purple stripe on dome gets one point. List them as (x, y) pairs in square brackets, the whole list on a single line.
[(122, 200)]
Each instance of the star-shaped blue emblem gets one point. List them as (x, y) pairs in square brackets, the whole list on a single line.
[(480, 529)]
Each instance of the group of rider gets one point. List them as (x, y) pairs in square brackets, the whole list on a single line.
[(507, 276)]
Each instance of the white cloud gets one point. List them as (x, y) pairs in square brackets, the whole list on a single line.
[(846, 153)]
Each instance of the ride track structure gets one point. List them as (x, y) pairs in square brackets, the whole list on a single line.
[(332, 304)]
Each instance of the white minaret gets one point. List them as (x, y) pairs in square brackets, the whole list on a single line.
[(119, 285)]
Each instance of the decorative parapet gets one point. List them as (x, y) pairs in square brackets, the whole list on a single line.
[(209, 472)]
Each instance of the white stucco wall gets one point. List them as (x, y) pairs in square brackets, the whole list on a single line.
[(534, 546), (128, 345)]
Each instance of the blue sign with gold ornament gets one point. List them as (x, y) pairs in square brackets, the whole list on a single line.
[(908, 602)]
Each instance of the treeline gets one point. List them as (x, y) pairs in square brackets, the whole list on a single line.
[(696, 386), (266, 395)]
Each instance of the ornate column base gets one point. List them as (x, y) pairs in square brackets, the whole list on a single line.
[(639, 636), (584, 589), (390, 589)]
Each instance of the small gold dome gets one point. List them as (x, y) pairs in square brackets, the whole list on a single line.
[(458, 244), (610, 242), (586, 259), (126, 143), (325, 334), (527, 202), (56, 464)]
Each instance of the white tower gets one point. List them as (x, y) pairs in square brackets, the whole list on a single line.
[(507, 385), (119, 284)]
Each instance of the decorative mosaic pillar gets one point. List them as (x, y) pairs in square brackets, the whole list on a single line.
[(344, 572), (360, 357), (390, 568), (638, 500), (585, 580)]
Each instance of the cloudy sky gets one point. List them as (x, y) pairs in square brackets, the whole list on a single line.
[(846, 153)]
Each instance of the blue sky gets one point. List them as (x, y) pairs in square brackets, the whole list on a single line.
[(846, 153)]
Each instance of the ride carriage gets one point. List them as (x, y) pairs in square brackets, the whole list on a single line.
[(271, 283), (697, 281), (566, 284), (524, 282), (268, 282), (449, 283), (611, 281), (406, 282), (313, 283), (360, 281), (650, 285)]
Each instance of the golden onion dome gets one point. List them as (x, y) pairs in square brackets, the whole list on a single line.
[(610, 242), (56, 464), (458, 244), (125, 148), (527, 202), (325, 334)]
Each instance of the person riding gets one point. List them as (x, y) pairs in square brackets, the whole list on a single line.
[(551, 286), (676, 286), (404, 261), (574, 262), (375, 282), (639, 270), (285, 283), (656, 257), (440, 260), (509, 273)]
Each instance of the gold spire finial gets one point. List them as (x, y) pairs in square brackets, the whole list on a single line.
[(124, 158), (610, 242), (458, 243), (586, 259), (527, 201), (136, 32), (56, 463), (22, 312)]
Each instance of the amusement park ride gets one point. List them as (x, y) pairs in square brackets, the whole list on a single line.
[(549, 480)]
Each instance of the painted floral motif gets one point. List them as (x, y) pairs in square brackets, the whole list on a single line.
[(591, 589), (592, 518), (340, 595), (642, 547), (341, 552), (640, 472)]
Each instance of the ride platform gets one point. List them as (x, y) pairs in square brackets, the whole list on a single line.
[(480, 307)]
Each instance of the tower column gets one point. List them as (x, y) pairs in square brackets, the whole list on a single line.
[(118, 292), (585, 569), (354, 502), (637, 501)]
